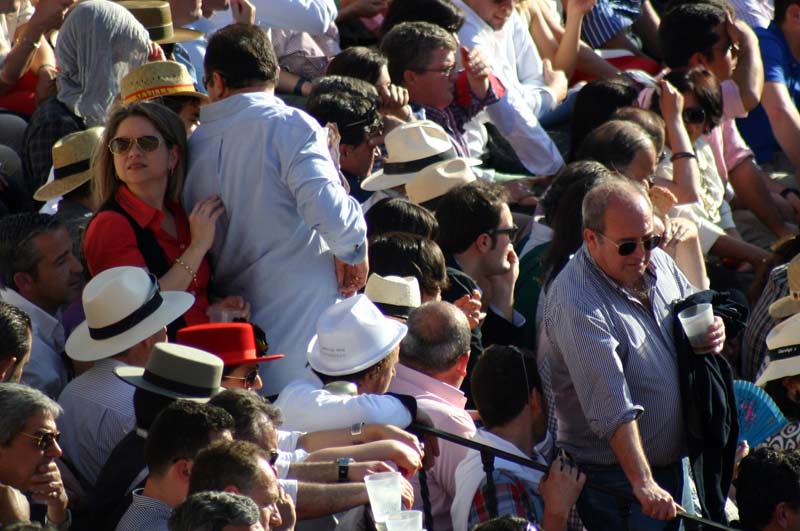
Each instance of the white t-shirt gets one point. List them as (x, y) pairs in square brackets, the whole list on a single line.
[(9, 22)]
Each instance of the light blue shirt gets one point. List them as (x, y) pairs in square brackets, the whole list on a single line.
[(286, 216)]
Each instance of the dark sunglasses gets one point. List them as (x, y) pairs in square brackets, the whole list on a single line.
[(249, 380), (510, 231), (122, 144), (627, 247), (44, 440), (694, 115), (273, 457)]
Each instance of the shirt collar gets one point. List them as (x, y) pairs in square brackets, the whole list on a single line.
[(144, 214), (45, 324), (152, 504), (650, 274), (226, 107), (427, 384)]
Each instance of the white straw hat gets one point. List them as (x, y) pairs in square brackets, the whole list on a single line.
[(438, 179), (394, 296), (790, 304), (123, 306), (783, 342), (352, 335)]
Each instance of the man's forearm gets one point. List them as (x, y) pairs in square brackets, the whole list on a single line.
[(314, 471), (627, 447), (749, 73), (20, 57), (316, 499)]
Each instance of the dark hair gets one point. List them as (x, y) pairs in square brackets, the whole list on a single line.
[(247, 408), (569, 174), (503, 523), (359, 62), (227, 463), (147, 405), (781, 6), (18, 252), (705, 87), (438, 335), (687, 29), (594, 105), (615, 144), (243, 55), (398, 214), (502, 381), (442, 13), (181, 430), (213, 511), (176, 102), (650, 121), (778, 392), (409, 255), (766, 478), (350, 103), (409, 46), (15, 333), (467, 211)]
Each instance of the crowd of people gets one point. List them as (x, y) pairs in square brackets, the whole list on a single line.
[(255, 251)]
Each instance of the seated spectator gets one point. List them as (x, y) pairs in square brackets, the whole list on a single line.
[(28, 450), (178, 434), (88, 79), (167, 83), (236, 344), (141, 221), (594, 105), (432, 182), (98, 406), (216, 510), (354, 343), (16, 341), (610, 23), (394, 296), (780, 376), (355, 113), (508, 393), (768, 490), (243, 468), (433, 365), (41, 276), (624, 147), (444, 13), (397, 214)]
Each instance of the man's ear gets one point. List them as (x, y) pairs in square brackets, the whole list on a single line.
[(6, 366), (409, 78), (483, 243), (24, 282), (698, 59), (232, 489)]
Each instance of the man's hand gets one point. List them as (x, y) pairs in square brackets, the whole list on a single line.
[(357, 471), (671, 103), (351, 277), (49, 15), (286, 511), (556, 80), (394, 102), (655, 501), (387, 432), (406, 493), (561, 487), (715, 338), (243, 12), (477, 70), (470, 304), (46, 82), (579, 8), (520, 192), (46, 486), (503, 288)]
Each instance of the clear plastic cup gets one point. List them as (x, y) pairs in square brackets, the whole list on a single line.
[(383, 490), (404, 521), (695, 321), (224, 315)]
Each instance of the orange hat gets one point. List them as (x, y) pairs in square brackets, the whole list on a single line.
[(234, 343)]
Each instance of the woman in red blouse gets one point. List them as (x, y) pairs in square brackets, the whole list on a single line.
[(138, 180)]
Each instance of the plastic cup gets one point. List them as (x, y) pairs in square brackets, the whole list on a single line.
[(224, 315), (404, 521), (383, 490), (695, 321)]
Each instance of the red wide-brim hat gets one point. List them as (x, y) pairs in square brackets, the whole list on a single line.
[(234, 343)]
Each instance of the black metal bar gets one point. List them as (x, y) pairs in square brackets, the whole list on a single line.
[(491, 496), (426, 499), (524, 461)]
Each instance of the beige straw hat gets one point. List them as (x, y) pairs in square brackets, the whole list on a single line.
[(790, 304), (155, 16), (159, 78), (393, 295), (438, 179), (72, 158)]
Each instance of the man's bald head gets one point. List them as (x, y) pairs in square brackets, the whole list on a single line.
[(438, 335)]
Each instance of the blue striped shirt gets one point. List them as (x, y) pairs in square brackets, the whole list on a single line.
[(613, 360), (607, 18), (145, 514), (754, 342)]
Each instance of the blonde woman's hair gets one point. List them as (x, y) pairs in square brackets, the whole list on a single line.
[(105, 182)]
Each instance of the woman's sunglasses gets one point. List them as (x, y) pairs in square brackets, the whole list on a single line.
[(694, 115), (249, 380), (122, 144), (627, 247)]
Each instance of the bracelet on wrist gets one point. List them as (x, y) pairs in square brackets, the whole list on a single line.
[(188, 269), (682, 155), (298, 87), (30, 42)]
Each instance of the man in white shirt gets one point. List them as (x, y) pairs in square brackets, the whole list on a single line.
[(41, 276)]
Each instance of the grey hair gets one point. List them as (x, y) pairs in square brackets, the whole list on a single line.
[(438, 334), (19, 403), (248, 410), (595, 203), (212, 511), (615, 144)]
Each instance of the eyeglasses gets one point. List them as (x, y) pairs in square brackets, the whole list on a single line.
[(273, 457), (44, 440), (447, 70), (122, 144), (511, 231), (627, 247), (694, 115), (249, 380)]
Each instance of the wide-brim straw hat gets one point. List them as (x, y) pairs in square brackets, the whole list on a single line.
[(790, 304), (234, 343), (177, 371), (438, 179), (156, 79), (72, 160), (123, 306), (352, 335), (411, 147), (393, 295), (156, 17), (783, 342)]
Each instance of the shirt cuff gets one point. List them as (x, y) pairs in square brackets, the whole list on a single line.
[(290, 487), (517, 319), (356, 256), (607, 429)]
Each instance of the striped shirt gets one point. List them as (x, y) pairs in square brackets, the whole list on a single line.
[(607, 18), (145, 514), (613, 360), (754, 343)]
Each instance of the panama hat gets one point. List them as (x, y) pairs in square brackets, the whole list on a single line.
[(790, 304), (438, 179), (177, 371), (783, 342), (156, 17), (394, 296), (411, 147), (159, 78), (123, 306), (352, 335), (72, 158), (234, 343)]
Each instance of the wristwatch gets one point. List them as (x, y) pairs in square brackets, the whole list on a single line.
[(344, 468), (357, 428)]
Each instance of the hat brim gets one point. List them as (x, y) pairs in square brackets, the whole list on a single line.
[(779, 369), (262, 359), (81, 347), (135, 377), (382, 181), (58, 187), (181, 35), (784, 307), (315, 358), (157, 92)]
